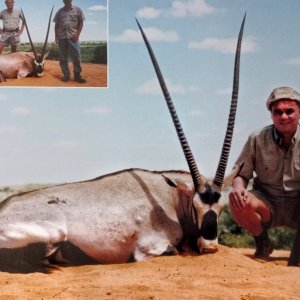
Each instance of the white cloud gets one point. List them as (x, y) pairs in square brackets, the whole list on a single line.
[(292, 61), (97, 110), (196, 8), (152, 88), (153, 34), (149, 13), (97, 8), (226, 46), (20, 111)]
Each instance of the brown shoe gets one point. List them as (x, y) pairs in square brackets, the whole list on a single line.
[(264, 246)]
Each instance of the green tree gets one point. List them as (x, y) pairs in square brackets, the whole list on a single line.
[(232, 235)]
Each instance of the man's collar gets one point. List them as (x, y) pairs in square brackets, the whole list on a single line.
[(68, 8), (278, 138)]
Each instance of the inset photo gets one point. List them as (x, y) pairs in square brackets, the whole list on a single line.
[(60, 43)]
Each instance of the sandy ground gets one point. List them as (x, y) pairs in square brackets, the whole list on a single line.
[(227, 274), (95, 74)]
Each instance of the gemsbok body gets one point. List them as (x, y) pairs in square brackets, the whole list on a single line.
[(125, 216), (21, 64)]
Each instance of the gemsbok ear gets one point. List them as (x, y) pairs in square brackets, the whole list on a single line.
[(46, 55), (169, 181), (180, 185)]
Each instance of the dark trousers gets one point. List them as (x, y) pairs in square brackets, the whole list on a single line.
[(69, 48)]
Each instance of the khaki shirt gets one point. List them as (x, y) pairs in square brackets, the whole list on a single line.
[(11, 21), (276, 171), (67, 22)]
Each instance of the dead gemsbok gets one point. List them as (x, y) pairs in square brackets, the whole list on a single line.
[(21, 64), (130, 215)]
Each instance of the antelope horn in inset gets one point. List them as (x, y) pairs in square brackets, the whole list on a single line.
[(197, 177), (219, 177), (46, 39), (29, 37)]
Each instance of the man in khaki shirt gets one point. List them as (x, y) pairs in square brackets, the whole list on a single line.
[(68, 26), (272, 156)]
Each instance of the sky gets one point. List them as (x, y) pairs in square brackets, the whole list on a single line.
[(54, 135)]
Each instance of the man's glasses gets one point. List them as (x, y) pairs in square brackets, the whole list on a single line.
[(279, 112)]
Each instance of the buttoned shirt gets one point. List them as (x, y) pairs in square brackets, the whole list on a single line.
[(276, 171), (67, 22), (11, 20)]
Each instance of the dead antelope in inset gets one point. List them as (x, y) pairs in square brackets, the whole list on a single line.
[(130, 215), (22, 64)]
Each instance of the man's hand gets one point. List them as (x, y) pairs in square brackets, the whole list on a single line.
[(75, 37), (239, 194), (20, 31)]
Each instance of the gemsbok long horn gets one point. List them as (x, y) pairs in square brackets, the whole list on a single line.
[(196, 176), (47, 35), (208, 194), (29, 37), (219, 177)]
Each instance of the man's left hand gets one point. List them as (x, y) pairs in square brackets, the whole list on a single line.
[(75, 37)]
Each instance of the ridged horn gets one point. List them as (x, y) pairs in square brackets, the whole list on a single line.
[(47, 35), (196, 176), (29, 37), (219, 177)]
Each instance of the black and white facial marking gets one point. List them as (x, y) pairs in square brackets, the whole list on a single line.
[(39, 64)]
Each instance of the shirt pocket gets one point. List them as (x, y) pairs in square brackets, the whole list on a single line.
[(73, 19), (268, 170)]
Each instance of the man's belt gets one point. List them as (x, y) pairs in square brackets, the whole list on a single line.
[(10, 30)]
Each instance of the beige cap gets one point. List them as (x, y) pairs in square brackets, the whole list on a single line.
[(282, 93)]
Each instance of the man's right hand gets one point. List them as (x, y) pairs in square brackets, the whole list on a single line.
[(239, 194)]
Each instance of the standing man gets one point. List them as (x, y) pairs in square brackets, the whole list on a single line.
[(273, 154), (11, 31), (68, 25)]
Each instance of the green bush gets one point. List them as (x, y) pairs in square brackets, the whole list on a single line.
[(91, 52), (232, 235), (100, 55), (53, 52)]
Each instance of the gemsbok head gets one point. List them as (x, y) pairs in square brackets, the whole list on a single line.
[(39, 59), (205, 196)]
